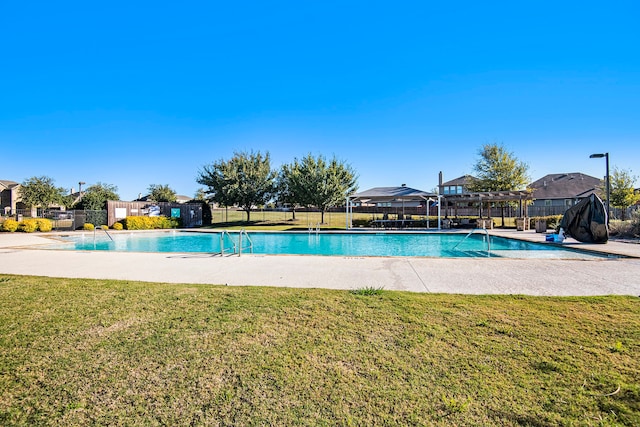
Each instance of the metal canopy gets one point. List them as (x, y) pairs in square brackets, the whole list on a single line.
[(389, 194)]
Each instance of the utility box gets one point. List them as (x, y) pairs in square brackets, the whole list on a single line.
[(541, 225)]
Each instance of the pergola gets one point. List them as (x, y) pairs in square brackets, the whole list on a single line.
[(517, 196)]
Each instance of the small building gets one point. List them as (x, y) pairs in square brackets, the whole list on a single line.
[(9, 197), (555, 193)]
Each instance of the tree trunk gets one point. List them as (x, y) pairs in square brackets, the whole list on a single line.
[(322, 217), (248, 211)]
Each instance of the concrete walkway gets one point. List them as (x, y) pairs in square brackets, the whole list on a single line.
[(19, 255)]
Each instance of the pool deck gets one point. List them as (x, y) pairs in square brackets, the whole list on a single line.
[(19, 254)]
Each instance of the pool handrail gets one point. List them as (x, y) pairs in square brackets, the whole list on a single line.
[(240, 247), (222, 249), (473, 231)]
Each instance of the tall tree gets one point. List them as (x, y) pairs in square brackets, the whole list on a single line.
[(95, 197), (622, 190), (286, 182), (246, 180), (40, 192), (162, 193), (499, 170), (321, 183)]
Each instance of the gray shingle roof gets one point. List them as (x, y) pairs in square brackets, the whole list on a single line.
[(461, 180), (565, 186), (8, 184)]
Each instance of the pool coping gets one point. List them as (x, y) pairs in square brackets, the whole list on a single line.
[(439, 275)]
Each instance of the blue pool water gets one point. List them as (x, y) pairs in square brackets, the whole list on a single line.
[(338, 244)]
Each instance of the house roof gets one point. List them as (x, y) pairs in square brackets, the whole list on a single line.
[(392, 194), (179, 198), (461, 180), (8, 184), (573, 185)]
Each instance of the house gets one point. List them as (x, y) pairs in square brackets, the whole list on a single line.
[(179, 198), (458, 185), (555, 193), (9, 197)]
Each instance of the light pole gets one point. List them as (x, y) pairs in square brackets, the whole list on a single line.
[(608, 183)]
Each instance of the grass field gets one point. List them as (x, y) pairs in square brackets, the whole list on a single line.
[(96, 352), (279, 220)]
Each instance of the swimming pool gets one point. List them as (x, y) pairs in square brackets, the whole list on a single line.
[(447, 245)]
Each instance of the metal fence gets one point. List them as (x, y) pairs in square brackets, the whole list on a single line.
[(63, 220)]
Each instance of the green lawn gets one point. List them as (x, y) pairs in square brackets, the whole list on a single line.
[(96, 352)]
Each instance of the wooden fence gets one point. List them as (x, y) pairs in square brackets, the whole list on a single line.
[(191, 214)]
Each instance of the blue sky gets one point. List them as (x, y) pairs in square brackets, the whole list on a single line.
[(140, 93)]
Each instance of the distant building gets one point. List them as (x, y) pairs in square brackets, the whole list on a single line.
[(9, 197), (179, 198), (455, 186), (555, 193)]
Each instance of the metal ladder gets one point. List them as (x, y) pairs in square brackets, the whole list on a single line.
[(244, 233), (106, 232), (487, 237), (223, 250)]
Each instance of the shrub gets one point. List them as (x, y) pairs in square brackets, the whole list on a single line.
[(28, 225), (361, 222), (553, 221), (10, 225), (117, 226), (44, 224), (88, 226), (150, 222), (626, 229), (104, 227)]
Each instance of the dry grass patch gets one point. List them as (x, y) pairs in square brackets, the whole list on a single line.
[(93, 352)]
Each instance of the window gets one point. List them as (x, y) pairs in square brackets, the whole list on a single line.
[(568, 202), (452, 189), (547, 202)]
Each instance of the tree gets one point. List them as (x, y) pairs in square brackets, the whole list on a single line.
[(95, 197), (285, 186), (246, 180), (622, 190), (40, 192), (162, 193), (499, 170), (200, 195), (316, 182)]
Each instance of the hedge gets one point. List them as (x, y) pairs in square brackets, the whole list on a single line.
[(10, 225), (149, 222)]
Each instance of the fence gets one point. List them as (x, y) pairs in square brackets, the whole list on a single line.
[(190, 214), (63, 220)]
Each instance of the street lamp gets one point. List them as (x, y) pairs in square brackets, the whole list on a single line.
[(608, 183)]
